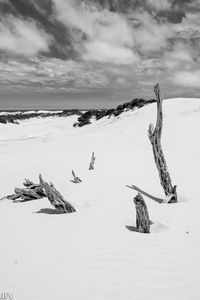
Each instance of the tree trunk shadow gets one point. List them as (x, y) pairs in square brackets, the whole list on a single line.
[(132, 228), (48, 211)]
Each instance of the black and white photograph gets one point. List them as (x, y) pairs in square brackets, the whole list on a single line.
[(99, 149)]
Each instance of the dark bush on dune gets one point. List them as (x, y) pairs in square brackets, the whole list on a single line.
[(85, 118)]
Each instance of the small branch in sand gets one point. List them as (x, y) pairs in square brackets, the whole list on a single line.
[(76, 179), (91, 166), (142, 216), (155, 139), (55, 198)]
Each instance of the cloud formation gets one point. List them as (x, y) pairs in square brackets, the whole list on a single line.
[(50, 74), (190, 78), (160, 4), (106, 36), (22, 37), (92, 45)]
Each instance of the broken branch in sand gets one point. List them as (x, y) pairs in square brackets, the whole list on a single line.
[(76, 179), (91, 166), (55, 198)]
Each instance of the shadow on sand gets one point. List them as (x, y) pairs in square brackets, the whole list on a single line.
[(48, 211), (132, 228)]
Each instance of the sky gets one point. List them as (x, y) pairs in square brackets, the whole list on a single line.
[(97, 53)]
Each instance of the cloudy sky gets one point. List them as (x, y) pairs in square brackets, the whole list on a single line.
[(97, 53)]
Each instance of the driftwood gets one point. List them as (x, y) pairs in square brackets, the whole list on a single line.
[(76, 179), (155, 139), (91, 166), (159, 200), (28, 182), (55, 198), (142, 216), (31, 191)]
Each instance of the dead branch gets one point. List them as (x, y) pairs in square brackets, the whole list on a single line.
[(28, 193), (76, 179), (91, 166), (28, 183), (55, 198), (31, 191), (135, 188), (155, 139)]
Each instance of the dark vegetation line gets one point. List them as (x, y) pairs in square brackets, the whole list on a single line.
[(84, 117), (14, 118)]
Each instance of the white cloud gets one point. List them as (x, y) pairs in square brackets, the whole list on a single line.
[(159, 4), (151, 35), (22, 37), (180, 55), (190, 78), (108, 30), (105, 52)]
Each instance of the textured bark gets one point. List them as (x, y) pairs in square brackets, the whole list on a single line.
[(76, 179), (55, 198), (27, 192), (28, 183), (91, 166), (142, 216), (31, 191), (155, 139), (13, 196)]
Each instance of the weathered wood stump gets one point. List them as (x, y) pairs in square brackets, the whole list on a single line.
[(142, 216), (55, 198), (91, 166), (155, 139), (76, 179)]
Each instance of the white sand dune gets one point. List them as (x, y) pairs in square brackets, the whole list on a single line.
[(95, 254)]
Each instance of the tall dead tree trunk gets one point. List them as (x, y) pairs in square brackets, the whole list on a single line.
[(55, 198), (142, 216), (155, 139), (91, 166)]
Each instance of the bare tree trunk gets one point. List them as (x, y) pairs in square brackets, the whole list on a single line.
[(91, 166), (55, 198), (76, 179), (155, 139), (142, 216)]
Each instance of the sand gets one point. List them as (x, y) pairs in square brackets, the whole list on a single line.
[(95, 254)]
